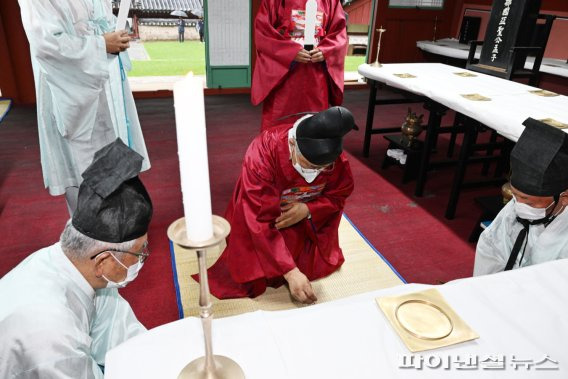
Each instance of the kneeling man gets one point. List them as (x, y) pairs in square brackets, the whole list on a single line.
[(286, 209), (61, 311), (533, 226)]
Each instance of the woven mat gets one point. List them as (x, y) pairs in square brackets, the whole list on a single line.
[(4, 107), (364, 270)]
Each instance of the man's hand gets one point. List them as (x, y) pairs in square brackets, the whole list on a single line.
[(316, 55), (116, 41), (292, 214), (303, 56), (300, 287)]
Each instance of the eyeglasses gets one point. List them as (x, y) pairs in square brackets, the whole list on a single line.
[(323, 168), (142, 254)]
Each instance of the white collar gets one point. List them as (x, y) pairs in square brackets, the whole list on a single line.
[(72, 272)]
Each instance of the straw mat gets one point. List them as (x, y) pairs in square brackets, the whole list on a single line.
[(364, 270), (5, 105)]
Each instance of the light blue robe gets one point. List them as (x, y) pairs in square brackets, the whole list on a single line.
[(83, 98), (496, 242), (53, 324)]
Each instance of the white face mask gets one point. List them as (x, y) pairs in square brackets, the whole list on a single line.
[(527, 212), (309, 174), (131, 274)]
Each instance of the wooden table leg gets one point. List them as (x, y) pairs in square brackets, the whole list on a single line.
[(370, 116), (470, 136), (437, 111)]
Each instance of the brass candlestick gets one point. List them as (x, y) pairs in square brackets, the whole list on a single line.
[(381, 31), (210, 366)]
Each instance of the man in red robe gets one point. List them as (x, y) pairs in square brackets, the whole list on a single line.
[(286, 209), (287, 78)]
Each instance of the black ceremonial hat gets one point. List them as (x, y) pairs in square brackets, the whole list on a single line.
[(320, 137), (539, 160), (113, 205)]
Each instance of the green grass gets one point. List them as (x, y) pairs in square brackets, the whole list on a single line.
[(352, 62), (171, 58)]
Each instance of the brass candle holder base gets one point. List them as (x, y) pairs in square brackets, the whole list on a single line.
[(210, 366), (224, 368)]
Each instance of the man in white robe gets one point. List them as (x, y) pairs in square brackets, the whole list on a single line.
[(84, 101), (60, 308), (533, 227)]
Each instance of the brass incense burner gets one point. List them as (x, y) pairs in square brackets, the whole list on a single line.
[(412, 126)]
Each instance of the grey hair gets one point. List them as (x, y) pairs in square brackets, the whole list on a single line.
[(79, 246)]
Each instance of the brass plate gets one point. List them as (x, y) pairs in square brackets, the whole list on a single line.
[(465, 74), (405, 75), (476, 97), (424, 321), (543, 92), (553, 122)]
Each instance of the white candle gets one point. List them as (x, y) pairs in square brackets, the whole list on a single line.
[(310, 26), (122, 15), (192, 151)]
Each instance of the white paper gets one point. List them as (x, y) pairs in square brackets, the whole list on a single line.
[(310, 28), (122, 15)]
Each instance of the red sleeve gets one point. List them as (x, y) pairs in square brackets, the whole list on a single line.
[(334, 47), (274, 52), (331, 202), (257, 247)]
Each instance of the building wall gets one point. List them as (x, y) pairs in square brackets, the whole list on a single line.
[(405, 26), (359, 12), (556, 47), (165, 33)]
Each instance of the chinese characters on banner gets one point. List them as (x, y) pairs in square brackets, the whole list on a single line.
[(500, 29)]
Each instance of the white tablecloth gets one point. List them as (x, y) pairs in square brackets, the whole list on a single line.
[(511, 102), (521, 315), (450, 47)]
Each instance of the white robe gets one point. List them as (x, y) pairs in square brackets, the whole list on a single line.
[(496, 242), (53, 324), (83, 98)]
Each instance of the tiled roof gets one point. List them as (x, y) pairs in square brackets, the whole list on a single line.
[(165, 22), (164, 5)]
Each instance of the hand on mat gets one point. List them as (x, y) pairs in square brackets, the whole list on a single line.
[(316, 55), (116, 41), (292, 214), (303, 56), (300, 286)]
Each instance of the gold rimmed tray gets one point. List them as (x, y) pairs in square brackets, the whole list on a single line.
[(465, 74), (424, 321), (553, 122), (475, 97), (405, 76), (544, 93)]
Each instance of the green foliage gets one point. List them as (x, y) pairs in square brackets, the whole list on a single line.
[(352, 62), (171, 58)]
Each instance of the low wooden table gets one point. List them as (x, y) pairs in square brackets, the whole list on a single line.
[(413, 152)]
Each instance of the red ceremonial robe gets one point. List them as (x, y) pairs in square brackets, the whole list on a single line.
[(289, 87), (257, 254)]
